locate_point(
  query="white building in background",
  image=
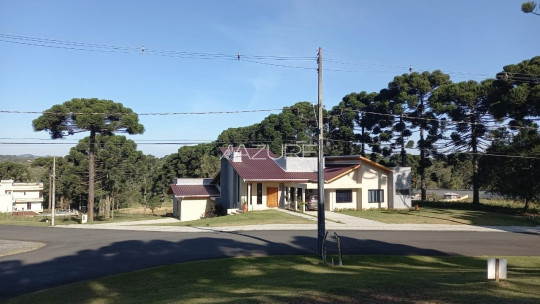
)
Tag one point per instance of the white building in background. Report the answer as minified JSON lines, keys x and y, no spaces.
{"x":20,"y":196}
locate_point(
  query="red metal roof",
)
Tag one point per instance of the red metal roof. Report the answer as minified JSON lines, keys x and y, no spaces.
{"x":259,"y":165}
{"x":193,"y":190}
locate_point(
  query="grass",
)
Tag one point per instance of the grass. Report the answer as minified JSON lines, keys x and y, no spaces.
{"x":264,"y":217}
{"x":302,"y":279}
{"x":122,"y":215}
{"x":489,"y":213}
{"x":38,"y":221}
{"x":41,"y":221}
{"x":494,"y":205}
{"x":426,"y":215}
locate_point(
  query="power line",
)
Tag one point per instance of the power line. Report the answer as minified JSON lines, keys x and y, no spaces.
{"x":257,"y":59}
{"x":146,"y":114}
{"x":81,"y":46}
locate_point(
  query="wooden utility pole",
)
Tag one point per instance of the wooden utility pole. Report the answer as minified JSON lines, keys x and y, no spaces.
{"x":53,"y":190}
{"x":321,"y":229}
{"x":50,"y":191}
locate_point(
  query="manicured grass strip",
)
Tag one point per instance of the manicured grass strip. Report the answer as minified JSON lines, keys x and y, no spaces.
{"x":494,"y":205}
{"x":428,"y":215}
{"x":302,"y":279}
{"x":263,"y":217}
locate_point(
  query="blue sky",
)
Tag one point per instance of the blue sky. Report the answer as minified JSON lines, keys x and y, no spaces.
{"x":365,"y":44}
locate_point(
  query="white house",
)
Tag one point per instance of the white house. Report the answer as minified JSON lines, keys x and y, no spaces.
{"x":20,"y":196}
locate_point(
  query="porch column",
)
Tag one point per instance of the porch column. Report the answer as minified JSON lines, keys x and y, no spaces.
{"x":294,"y":198}
{"x":249,"y":200}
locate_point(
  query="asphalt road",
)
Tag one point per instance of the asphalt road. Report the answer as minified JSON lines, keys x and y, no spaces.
{"x":72,"y":255}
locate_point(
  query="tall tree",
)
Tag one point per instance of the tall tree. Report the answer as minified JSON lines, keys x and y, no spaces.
{"x":510,"y":167}
{"x":118,"y":166}
{"x":467,"y":105}
{"x":356,"y":119}
{"x":67,"y":183}
{"x":401,"y":127}
{"x":15,"y":171}
{"x":93,"y":115}
{"x":516,"y":92}
{"x":293,"y":124}
{"x":348,"y":125}
{"x":413,"y":90}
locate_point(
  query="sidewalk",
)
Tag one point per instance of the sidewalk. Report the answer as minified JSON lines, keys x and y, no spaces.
{"x":334,"y":221}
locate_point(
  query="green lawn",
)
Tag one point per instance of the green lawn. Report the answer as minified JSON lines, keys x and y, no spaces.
{"x":430,"y":215}
{"x":7,"y":219}
{"x":263,"y":217}
{"x":302,"y":279}
{"x":40,"y":221}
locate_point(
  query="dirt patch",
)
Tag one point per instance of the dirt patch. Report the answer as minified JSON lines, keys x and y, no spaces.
{"x":140,"y":210}
{"x":9,"y":247}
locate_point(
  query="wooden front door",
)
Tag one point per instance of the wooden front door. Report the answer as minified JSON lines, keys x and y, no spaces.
{"x":272,"y":196}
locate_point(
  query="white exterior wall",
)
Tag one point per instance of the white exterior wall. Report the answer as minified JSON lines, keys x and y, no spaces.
{"x":193,"y":208}
{"x":374,"y":179}
{"x":6,"y":203}
{"x":23,"y":206}
{"x":298,"y":164}
{"x":15,"y":196}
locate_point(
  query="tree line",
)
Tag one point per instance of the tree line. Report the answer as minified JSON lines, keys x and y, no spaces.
{"x":466,"y":135}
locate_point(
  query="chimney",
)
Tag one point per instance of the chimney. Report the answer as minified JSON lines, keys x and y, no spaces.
{"x":237,"y":157}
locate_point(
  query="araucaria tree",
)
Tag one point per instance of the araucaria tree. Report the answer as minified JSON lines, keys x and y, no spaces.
{"x":414,"y":91}
{"x":93,"y":115}
{"x":515,"y":176}
{"x":467,"y":105}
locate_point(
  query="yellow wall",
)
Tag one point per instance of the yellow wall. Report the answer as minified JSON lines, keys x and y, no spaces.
{"x":359,"y":181}
{"x":193,"y":208}
{"x":373,"y":179}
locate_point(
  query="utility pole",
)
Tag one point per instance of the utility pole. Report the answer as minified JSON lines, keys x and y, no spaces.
{"x":50,"y":191}
{"x":53,"y":190}
{"x":321,"y":230}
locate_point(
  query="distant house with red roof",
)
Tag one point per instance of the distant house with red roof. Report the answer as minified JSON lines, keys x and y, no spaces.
{"x":262,"y":180}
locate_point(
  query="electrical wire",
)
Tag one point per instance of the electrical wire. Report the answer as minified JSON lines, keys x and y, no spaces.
{"x":257,"y":59}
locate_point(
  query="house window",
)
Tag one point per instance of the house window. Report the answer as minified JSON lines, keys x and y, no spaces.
{"x":259,"y":193}
{"x":375,"y":196}
{"x":28,"y":206}
{"x":343,"y":196}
